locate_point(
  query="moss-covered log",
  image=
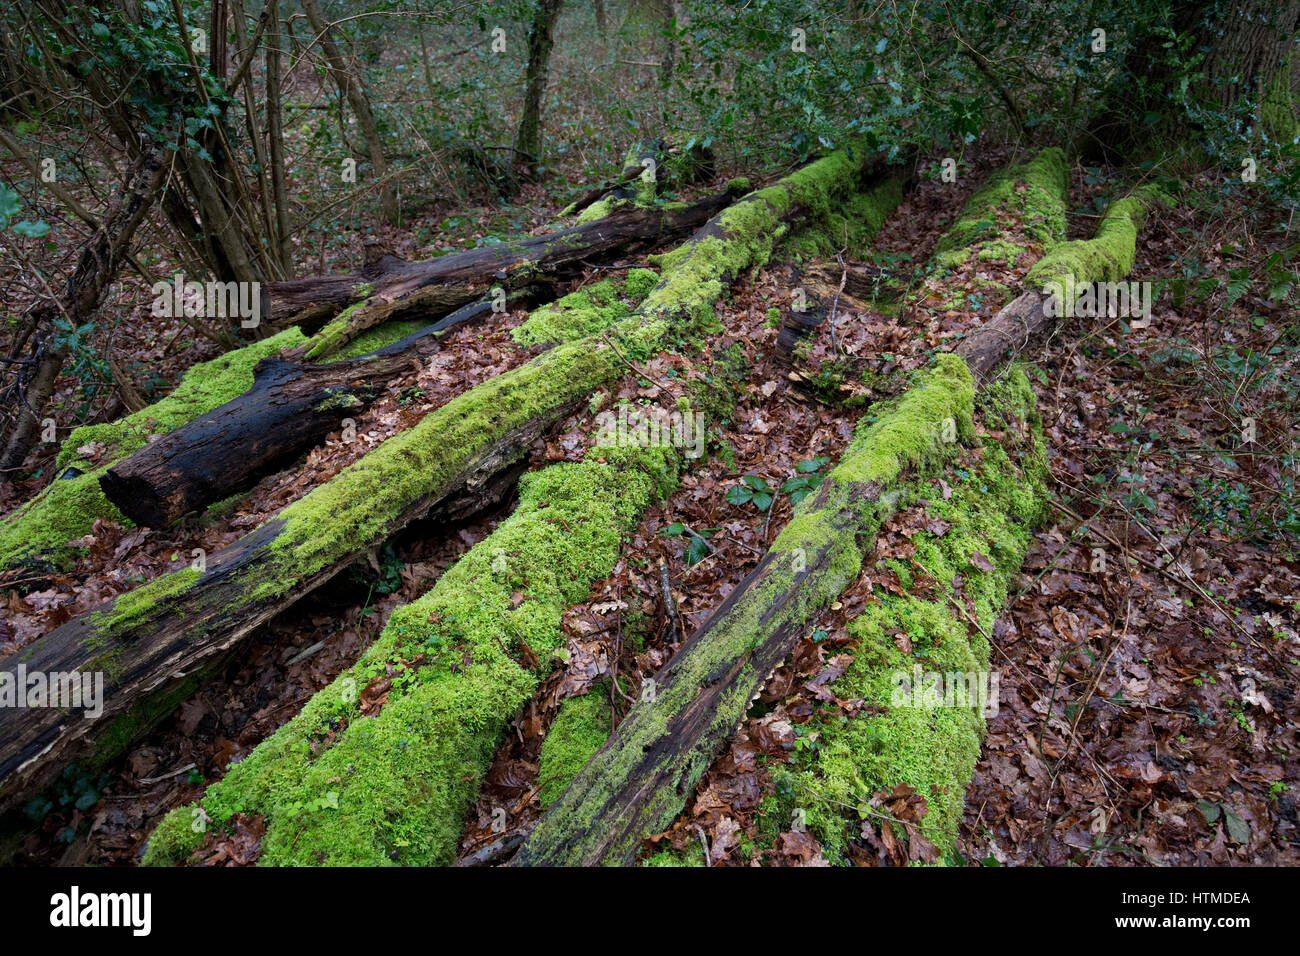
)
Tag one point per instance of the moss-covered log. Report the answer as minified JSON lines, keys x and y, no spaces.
{"x":637,"y":783}
{"x":290,"y":407}
{"x":451,"y":669}
{"x":388,"y":286}
{"x":1030,"y":198}
{"x":147,"y":640}
{"x":38,"y":531}
{"x":926,"y":698}
{"x":640,"y":780}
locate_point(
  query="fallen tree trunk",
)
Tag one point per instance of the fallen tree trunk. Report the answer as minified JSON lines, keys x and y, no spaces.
{"x":388,"y":286}
{"x":641,"y":779}
{"x":290,"y":407}
{"x":155,"y":641}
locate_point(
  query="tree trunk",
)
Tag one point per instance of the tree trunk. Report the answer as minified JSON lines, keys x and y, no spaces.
{"x":388,"y":286}
{"x":289,"y":409}
{"x":349,"y":83}
{"x":96,"y":270}
{"x":541,"y":38}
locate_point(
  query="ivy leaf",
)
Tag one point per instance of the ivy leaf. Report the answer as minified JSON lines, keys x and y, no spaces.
{"x":762,"y":500}
{"x":739,"y":495}
{"x":697,"y":551}
{"x":756,"y":482}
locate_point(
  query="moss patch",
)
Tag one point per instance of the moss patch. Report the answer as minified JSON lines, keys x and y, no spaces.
{"x":586,"y":311}
{"x":850,"y":226}
{"x":933,"y":749}
{"x":580,"y":729}
{"x":1029,"y":198}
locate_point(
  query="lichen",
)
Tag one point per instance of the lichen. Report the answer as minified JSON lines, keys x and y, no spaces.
{"x":579,"y":730}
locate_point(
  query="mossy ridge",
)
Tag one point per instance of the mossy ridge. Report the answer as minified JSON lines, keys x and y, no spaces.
{"x":908,"y":434}
{"x":744,"y":234}
{"x":580,"y":729}
{"x":852,"y":226}
{"x":1038,"y":210}
{"x":991,"y":514}
{"x":1107,"y":257}
{"x":586,"y":311}
{"x":404,"y":778}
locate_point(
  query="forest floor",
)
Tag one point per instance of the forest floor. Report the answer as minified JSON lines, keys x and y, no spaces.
{"x":1147,"y":715}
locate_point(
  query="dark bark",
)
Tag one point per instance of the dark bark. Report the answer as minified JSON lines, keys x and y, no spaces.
{"x":390,"y":286}
{"x":289,"y":409}
{"x":541,"y":38}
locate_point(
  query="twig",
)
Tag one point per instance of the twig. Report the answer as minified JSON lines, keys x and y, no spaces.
{"x":633,"y":367}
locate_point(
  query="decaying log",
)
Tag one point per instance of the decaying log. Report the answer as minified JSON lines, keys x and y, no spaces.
{"x":638,"y":782}
{"x":154,"y":643}
{"x":289,"y":409}
{"x":389,"y":286}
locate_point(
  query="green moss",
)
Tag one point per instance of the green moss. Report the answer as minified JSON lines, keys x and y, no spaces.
{"x":934,"y":750}
{"x":580,"y":729}
{"x":585,"y":311}
{"x":333,"y":334}
{"x":1028,"y":199}
{"x":371,"y":339}
{"x":1107,"y":257}
{"x":404,"y":778}
{"x":174,"y":839}
{"x":638,"y":283}
{"x":133,"y":606}
{"x":935,"y":412}
{"x":851,"y":226}
{"x":65,"y":510}
{"x":1278,"y":109}
{"x":600,"y":209}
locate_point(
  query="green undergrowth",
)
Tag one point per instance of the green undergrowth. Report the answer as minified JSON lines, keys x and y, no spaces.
{"x":337,"y":787}
{"x":587,"y":310}
{"x":1107,"y":257}
{"x":67,"y":508}
{"x":996,"y":501}
{"x":1028,"y":198}
{"x":580,"y":729}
